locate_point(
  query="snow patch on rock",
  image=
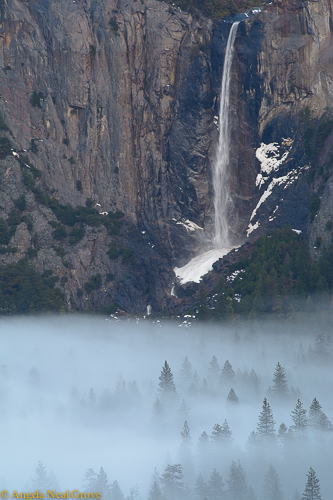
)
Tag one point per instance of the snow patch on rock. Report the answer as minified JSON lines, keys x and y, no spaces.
{"x":188,"y":224}
{"x":270,"y":157}
{"x":200,"y":265}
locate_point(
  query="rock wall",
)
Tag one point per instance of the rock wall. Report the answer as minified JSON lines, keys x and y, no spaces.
{"x":284,"y":68}
{"x":127,"y":109}
{"x":128,"y":98}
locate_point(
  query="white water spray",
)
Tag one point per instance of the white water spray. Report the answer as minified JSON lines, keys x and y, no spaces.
{"x":222,"y":199}
{"x":202,"y":264}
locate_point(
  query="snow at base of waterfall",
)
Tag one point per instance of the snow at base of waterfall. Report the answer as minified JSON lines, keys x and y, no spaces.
{"x":200,"y":265}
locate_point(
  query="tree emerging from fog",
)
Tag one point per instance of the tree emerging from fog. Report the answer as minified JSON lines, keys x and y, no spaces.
{"x":215,"y":486}
{"x":227,"y":374}
{"x":317,"y":418}
{"x":272,"y":488}
{"x":172,"y":480}
{"x":237,"y":488}
{"x":42,"y":480}
{"x":166,"y":384}
{"x":266,"y":423}
{"x":312,"y":487}
{"x":232,"y":398}
{"x":129,"y":416}
{"x":298,"y":415}
{"x":280,"y":384}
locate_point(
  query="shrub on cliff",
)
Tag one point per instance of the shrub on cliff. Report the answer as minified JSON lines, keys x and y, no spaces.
{"x":5,"y":147}
{"x":76,"y":235}
{"x":36,"y":98}
{"x":94,"y":283}
{"x":114,"y":24}
{"x":3,"y":126}
{"x":23,"y":290}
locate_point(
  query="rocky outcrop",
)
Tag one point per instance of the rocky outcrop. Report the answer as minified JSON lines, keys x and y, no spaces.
{"x":283,"y":71}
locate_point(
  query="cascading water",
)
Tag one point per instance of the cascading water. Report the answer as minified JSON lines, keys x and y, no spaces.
{"x":202,"y":264}
{"x":222,"y":199}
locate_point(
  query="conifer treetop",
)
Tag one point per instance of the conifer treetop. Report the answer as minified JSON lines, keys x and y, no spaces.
{"x":266,"y":423}
{"x":166,"y":383}
{"x":280,"y":384}
{"x":312,"y":487}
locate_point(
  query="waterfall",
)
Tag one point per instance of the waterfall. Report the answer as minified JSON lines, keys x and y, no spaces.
{"x":202,"y":264}
{"x":222,"y":199}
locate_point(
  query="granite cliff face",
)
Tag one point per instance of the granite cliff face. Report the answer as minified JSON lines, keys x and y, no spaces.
{"x":283,"y":71}
{"x":116,"y":102}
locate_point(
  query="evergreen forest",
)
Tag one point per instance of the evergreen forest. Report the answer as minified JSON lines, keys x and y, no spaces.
{"x":152,"y":410}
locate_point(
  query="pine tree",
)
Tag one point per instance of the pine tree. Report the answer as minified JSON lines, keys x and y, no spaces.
{"x":280,"y":384}
{"x":185,"y":454}
{"x":314,"y":414}
{"x":226,"y":432}
{"x":158,"y":411}
{"x":155,"y":492}
{"x":186,"y":372}
{"x":217,"y":434}
{"x":173,"y":485}
{"x":92,"y":397}
{"x":53,"y":481}
{"x":200,"y":488}
{"x":215,"y":486}
{"x":183,"y":411}
{"x":237,"y":488}
{"x":166,"y":384}
{"x":227,"y":374}
{"x":89,"y":480}
{"x":265,"y":426}
{"x":134,"y":392}
{"x":213,"y":369}
{"x":41,"y":480}
{"x":185,"y":434}
{"x":232,"y":399}
{"x":251,"y":495}
{"x":102,"y":485}
{"x":283,"y":431}
{"x":204,"y":388}
{"x":299,"y":418}
{"x":121,"y":391}
{"x":317,"y":418}
{"x":134,"y":494}
{"x":115,"y":492}
{"x":321,"y":352}
{"x":296,"y":495}
{"x":253,"y":439}
{"x":312,"y":487}
{"x":254,"y":381}
{"x":324,"y":423}
{"x":272,"y":487}
{"x":203,"y":450}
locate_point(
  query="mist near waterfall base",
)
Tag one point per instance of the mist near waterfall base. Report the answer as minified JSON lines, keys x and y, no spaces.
{"x":49,"y":413}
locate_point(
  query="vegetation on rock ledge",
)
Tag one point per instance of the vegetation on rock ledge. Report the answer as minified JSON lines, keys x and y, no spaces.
{"x":279,"y":277}
{"x":23,"y":290}
{"x":216,"y":9}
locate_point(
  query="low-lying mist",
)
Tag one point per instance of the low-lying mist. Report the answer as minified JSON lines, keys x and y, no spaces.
{"x":190,"y":413}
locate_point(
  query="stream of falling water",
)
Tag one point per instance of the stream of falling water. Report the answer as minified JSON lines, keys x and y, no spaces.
{"x":222,"y":199}
{"x":202,"y":264}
